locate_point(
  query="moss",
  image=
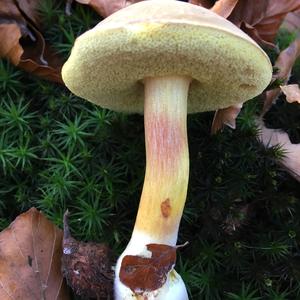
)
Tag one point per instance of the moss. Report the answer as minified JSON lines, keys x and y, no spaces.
{"x":58,"y":151}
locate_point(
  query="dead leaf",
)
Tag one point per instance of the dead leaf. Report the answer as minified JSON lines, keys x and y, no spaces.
{"x":273,"y":137}
{"x":142,"y":274}
{"x":11,"y":48}
{"x":262,"y":19}
{"x":103,"y":7}
{"x":30,"y":259}
{"x":284,"y":64}
{"x":221,"y":7}
{"x":204,"y":3}
{"x":292,"y":92}
{"x":259,"y":19}
{"x":23,"y":44}
{"x":226,"y":116}
{"x":87,"y":267}
{"x":29,"y":8}
{"x":292,"y":21}
{"x":224,"y":7}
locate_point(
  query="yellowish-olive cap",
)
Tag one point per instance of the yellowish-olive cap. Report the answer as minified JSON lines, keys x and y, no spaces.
{"x":159,"y":38}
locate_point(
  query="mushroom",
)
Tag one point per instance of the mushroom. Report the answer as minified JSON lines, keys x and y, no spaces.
{"x":164,"y":59}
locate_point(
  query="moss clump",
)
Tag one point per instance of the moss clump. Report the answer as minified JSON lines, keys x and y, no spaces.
{"x":58,"y":151}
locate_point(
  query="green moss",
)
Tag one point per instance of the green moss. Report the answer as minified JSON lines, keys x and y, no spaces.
{"x":242,"y":213}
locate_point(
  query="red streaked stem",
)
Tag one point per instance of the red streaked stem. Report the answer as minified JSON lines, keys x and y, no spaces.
{"x":167,"y":168}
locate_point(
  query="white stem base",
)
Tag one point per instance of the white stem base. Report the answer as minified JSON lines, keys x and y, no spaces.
{"x":173,"y":289}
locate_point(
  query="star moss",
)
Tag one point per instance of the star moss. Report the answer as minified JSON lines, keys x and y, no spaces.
{"x":242,"y":213}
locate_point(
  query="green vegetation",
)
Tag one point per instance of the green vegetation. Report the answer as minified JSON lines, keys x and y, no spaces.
{"x":242,"y":216}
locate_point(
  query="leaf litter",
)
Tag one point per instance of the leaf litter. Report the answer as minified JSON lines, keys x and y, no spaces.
{"x":30,"y":259}
{"x":22,"y":42}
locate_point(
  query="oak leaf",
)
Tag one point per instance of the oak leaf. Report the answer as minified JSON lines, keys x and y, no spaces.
{"x":23,"y":44}
{"x":30,"y":259}
{"x":272,"y":137}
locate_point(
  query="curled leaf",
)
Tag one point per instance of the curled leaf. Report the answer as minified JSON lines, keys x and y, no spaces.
{"x":226,"y":116}
{"x":284,"y":64}
{"x":292,"y":92}
{"x":11,"y":34}
{"x":30,"y":259}
{"x":23,"y":44}
{"x":87,"y":267}
{"x":272,"y":137}
{"x":262,"y":19}
{"x":29,"y":8}
{"x":259,"y":19}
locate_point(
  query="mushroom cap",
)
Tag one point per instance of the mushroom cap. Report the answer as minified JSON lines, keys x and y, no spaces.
{"x":155,"y":38}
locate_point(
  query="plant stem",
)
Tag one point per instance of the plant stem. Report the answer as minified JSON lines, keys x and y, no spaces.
{"x":167,"y":168}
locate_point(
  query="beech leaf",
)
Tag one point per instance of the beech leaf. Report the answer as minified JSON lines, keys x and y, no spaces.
{"x":226,"y":116}
{"x":292,"y":92}
{"x":23,"y":44}
{"x":30,"y":259}
{"x":284,"y":63}
{"x":141,"y":273}
{"x":272,"y":137}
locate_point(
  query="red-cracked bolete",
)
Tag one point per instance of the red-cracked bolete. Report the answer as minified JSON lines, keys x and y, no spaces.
{"x":164,"y":59}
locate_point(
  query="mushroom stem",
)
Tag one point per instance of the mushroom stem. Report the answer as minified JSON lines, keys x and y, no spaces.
{"x":166,"y":180}
{"x":167,"y":167}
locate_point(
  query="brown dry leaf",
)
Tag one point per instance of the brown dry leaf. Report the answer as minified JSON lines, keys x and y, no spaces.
{"x":273,"y":137}
{"x":29,"y":8}
{"x":224,"y":7}
{"x":22,"y":43}
{"x":11,"y":48}
{"x":226,"y":116}
{"x":292,"y":92}
{"x":103,"y":7}
{"x":30,"y":259}
{"x":148,"y":274}
{"x":292,"y":21}
{"x":284,"y":63}
{"x":87,"y":267}
{"x":204,"y":3}
{"x":221,"y":7}
{"x":259,"y":19}
{"x":262,"y":19}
